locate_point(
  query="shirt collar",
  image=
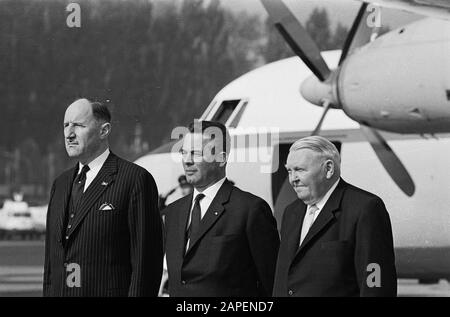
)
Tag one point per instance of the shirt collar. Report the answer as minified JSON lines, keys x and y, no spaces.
{"x":321,"y":203}
{"x":97,"y":163}
{"x":211,"y":191}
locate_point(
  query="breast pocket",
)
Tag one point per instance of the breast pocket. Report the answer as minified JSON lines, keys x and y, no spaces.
{"x":108,"y":224}
{"x":106,"y":213}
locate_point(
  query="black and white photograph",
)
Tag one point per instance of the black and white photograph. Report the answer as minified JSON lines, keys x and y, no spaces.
{"x":224,"y":149}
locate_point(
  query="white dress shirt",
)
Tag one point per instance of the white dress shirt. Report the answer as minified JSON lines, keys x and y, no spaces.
{"x":206,"y":201}
{"x":94,"y":168}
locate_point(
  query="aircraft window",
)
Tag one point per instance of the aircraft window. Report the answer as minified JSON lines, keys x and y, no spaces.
{"x":338,"y":145}
{"x":225,"y":110}
{"x":208,"y":110}
{"x":238,"y":115}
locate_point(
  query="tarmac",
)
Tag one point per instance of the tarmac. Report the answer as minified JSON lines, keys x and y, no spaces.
{"x":21,"y":272}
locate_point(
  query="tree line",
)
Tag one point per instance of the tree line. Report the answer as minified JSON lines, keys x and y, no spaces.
{"x":157,"y":65}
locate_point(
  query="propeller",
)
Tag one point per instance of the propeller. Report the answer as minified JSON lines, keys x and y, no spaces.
{"x":390,"y":161}
{"x":326,"y":107}
{"x":358,"y":35}
{"x":321,"y":89}
{"x":293,"y":33}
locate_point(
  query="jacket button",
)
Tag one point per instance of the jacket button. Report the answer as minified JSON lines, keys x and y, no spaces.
{"x":290,"y":292}
{"x":183,"y":282}
{"x":67,"y":237}
{"x":69,"y":226}
{"x":72,"y":215}
{"x":65,"y":264}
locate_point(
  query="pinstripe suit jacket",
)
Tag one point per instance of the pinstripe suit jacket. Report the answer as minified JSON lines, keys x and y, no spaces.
{"x":119,"y":251}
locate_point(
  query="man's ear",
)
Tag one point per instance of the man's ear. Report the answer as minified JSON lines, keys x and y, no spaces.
{"x":105,"y":130}
{"x":329,"y":168}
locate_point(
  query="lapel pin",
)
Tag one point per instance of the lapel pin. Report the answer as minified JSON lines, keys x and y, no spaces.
{"x":104,"y":184}
{"x":216,"y":213}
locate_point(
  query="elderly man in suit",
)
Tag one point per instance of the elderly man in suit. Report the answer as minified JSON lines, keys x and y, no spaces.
{"x":336,"y":239}
{"x":221,"y":241}
{"x":104,"y":232}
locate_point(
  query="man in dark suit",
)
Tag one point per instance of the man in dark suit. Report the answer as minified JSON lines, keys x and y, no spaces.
{"x":104,"y":235}
{"x":220,"y":240}
{"x":336,"y":239}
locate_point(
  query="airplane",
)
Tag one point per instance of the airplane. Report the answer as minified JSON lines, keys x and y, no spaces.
{"x":436,"y":8}
{"x":393,"y":91}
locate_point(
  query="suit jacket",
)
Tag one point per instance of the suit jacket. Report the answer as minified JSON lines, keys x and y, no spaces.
{"x":352,"y":230}
{"x":119,"y":251}
{"x":233,"y":253}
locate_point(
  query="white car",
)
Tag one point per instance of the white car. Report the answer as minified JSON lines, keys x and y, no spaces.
{"x":16,"y":218}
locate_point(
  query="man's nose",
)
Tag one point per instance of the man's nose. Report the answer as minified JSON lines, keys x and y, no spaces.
{"x":293,"y":178}
{"x":70,"y":134}
{"x":188,"y":160}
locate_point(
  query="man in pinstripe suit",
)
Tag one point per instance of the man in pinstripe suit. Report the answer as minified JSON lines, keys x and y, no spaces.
{"x":104,"y":235}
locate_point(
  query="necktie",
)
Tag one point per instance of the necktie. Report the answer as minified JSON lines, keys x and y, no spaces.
{"x":196,"y":217}
{"x":78,"y":186}
{"x":77,"y":192}
{"x":308,"y":221}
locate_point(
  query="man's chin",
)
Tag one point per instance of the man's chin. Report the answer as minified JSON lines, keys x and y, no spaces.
{"x":72,"y":154}
{"x":303,"y":197}
{"x":191,"y":180}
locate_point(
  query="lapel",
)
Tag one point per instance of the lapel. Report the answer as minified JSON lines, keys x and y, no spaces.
{"x":68,"y":183}
{"x":294,"y":227}
{"x":101,"y":182}
{"x":213,"y":213}
{"x":183,"y":216}
{"x":325,"y":216}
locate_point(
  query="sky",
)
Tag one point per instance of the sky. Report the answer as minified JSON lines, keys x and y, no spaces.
{"x":343,"y":11}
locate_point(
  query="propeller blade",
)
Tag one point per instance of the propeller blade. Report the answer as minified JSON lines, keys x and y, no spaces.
{"x":297,"y":37}
{"x":390,"y":161}
{"x":359,"y":33}
{"x":326,"y":107}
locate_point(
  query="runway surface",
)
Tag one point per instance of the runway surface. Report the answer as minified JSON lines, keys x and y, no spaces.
{"x":21,"y":269}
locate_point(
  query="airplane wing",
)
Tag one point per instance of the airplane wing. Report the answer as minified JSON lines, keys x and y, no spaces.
{"x":436,"y":8}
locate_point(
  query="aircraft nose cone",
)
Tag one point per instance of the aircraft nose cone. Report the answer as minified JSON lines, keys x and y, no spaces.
{"x":316,"y":92}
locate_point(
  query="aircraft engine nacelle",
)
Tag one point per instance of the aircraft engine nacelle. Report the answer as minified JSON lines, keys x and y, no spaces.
{"x":400,"y":78}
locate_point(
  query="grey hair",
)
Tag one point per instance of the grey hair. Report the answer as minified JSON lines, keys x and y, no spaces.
{"x":320,"y":145}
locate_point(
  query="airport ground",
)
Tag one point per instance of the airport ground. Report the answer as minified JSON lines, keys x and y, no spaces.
{"x":21,"y":267}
